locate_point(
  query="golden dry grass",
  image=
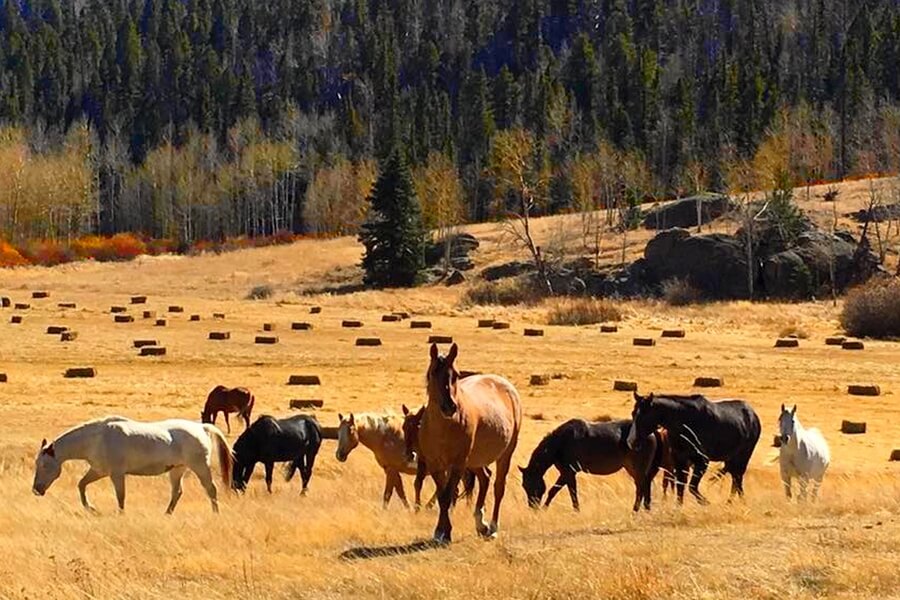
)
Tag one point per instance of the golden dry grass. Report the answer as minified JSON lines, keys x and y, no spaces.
{"x":285,"y":546}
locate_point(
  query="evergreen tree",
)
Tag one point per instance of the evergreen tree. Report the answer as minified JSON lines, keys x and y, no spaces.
{"x":393,"y":234}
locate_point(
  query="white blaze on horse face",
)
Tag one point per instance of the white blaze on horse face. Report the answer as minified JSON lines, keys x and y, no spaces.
{"x":46,"y":470}
{"x":786,"y":425}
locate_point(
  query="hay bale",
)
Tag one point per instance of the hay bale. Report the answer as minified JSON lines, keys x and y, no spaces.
{"x":390,"y":318}
{"x":330,"y":433}
{"x":440,"y":339}
{"x":123,"y":319}
{"x":39,"y":295}
{"x":160,"y":323}
{"x":534,"y":333}
{"x":219,"y":316}
{"x":895,"y":455}
{"x":420,"y":324}
{"x":220,"y":335}
{"x":620,"y":385}
{"x":117,"y":309}
{"x":301,"y":404}
{"x":268,"y":326}
{"x":643,"y":342}
{"x":139,"y":299}
{"x":314,"y":310}
{"x":485,"y":323}
{"x":144,"y":343}
{"x":194,"y":318}
{"x":5,"y":302}
{"x":787,"y":343}
{"x":539,"y":379}
{"x":22,"y":306}
{"x":66,"y":305}
{"x":374,"y":341}
{"x":463,"y":374}
{"x":304,"y":380}
{"x":351,"y":324}
{"x":609,"y":328}
{"x":68,"y":336}
{"x":149,"y":314}
{"x":709,"y":382}
{"x":776,"y":441}
{"x":267,"y":339}
{"x":301,"y":326}
{"x":835,"y":340}
{"x":3,"y":378}
{"x":853,"y":345}
{"x":499,"y":325}
{"x":863,"y":390}
{"x":15,"y":319}
{"x":402,"y":314}
{"x":673,"y":333}
{"x":853,"y":427}
{"x":153,"y":351}
{"x":176,"y":309}
{"x":56,"y":329}
{"x":80,"y":372}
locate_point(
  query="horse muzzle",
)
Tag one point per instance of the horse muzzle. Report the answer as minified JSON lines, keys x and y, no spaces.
{"x":340,"y":457}
{"x":38,"y":492}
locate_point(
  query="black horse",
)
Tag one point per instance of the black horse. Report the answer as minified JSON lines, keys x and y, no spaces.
{"x":269,"y":440}
{"x":700,"y":431}
{"x":595,"y":448}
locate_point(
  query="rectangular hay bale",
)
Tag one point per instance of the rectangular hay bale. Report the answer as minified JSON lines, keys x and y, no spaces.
{"x":420,"y":324}
{"x":440,"y":339}
{"x":220,"y":335}
{"x":301,"y":404}
{"x":143,"y":343}
{"x":643,"y":342}
{"x":267,"y":339}
{"x":139,"y":299}
{"x":304,"y":380}
{"x":56,"y":329}
{"x":863,"y":390}
{"x":80,"y":372}
{"x":301,"y":326}
{"x":534,"y":333}
{"x":351,"y":324}
{"x":620,"y":385}
{"x":123,"y":319}
{"x":853,"y":427}
{"x":68,"y":336}
{"x":673,"y":333}
{"x":153,"y":351}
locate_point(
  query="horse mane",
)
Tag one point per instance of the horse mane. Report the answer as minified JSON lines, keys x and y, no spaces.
{"x":542,"y":456}
{"x":385,"y":422}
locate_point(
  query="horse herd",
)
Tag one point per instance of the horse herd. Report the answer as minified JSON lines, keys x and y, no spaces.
{"x":468,"y":425}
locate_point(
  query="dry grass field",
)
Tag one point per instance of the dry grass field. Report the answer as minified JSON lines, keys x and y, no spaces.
{"x":287,"y":546}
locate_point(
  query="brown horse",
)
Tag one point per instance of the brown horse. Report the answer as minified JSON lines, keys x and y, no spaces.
{"x":666,"y":460}
{"x":468,"y":424}
{"x":228,"y":400}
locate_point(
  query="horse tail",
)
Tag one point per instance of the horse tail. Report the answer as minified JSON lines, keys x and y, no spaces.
{"x":468,"y":484}
{"x":226,"y":457}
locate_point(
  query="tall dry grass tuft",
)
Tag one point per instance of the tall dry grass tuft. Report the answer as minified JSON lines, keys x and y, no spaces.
{"x":873,"y":309}
{"x":680,"y":292}
{"x":506,"y":292}
{"x":583,"y":311}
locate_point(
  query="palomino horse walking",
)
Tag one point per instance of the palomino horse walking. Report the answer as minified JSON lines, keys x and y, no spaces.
{"x":700,"y":431}
{"x":595,"y":448}
{"x":383,"y":435}
{"x":228,"y":400}
{"x":468,"y":424}
{"x":115,"y":447}
{"x":804,"y":453}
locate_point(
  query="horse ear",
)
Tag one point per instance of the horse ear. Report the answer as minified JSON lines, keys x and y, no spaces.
{"x":352,"y":420}
{"x":50,"y":451}
{"x":405,"y":411}
{"x":340,"y":417}
{"x":43,"y":443}
{"x":794,"y":410}
{"x":434,"y":352}
{"x":451,"y":356}
{"x":782,"y":407}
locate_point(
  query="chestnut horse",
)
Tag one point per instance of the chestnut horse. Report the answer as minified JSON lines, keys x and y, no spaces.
{"x":468,"y":424}
{"x":228,"y":400}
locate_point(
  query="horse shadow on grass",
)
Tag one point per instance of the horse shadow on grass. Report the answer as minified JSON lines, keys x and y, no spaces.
{"x":369,"y":552}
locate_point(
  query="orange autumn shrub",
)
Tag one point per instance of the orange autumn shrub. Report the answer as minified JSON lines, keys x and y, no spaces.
{"x":9,"y":256}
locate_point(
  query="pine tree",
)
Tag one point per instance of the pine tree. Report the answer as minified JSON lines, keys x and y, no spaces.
{"x":393,"y":234}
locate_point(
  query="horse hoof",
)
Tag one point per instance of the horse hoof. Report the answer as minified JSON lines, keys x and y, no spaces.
{"x":441,"y":539}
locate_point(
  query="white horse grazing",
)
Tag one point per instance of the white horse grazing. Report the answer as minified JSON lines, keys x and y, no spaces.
{"x":804,"y":453}
{"x":115,"y":447}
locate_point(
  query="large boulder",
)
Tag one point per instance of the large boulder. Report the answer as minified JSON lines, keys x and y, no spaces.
{"x":459,"y":247}
{"x":785,"y":275}
{"x":683,"y":212}
{"x":716,"y":264}
{"x":505,"y":270}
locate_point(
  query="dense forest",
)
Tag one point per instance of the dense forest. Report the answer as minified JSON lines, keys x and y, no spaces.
{"x":204,"y":119}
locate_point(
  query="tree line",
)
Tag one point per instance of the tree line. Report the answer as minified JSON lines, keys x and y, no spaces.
{"x":204,"y":119}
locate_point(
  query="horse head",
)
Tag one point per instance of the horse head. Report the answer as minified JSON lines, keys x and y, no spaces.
{"x":47,"y":468}
{"x":643,"y":420}
{"x":787,"y":423}
{"x":411,"y":422}
{"x":534,"y":486}
{"x":442,"y":380}
{"x":348,"y":437}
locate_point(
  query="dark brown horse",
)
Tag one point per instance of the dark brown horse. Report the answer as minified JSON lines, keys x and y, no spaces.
{"x":595,"y":448}
{"x":467,"y":425}
{"x":228,"y":400}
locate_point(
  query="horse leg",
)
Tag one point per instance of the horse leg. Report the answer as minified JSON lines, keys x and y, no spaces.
{"x":417,"y":484}
{"x":398,"y":486}
{"x":118,"y":480}
{"x":483,"y":480}
{"x":500,"y":488}
{"x":176,"y":476}
{"x":307,"y":470}
{"x":206,"y":480}
{"x":802,"y":482}
{"x":699,"y":470}
{"x":444,"y":529}
{"x":388,"y":488}
{"x":90,"y":477}
{"x":681,"y":476}
{"x":561,"y":482}
{"x":270,"y":466}
{"x":573,"y":490}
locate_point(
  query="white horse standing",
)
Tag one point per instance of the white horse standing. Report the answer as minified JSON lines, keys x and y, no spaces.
{"x":115,"y":447}
{"x":804,"y":453}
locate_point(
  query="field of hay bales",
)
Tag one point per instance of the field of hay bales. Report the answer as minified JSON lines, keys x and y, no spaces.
{"x":287,"y":546}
